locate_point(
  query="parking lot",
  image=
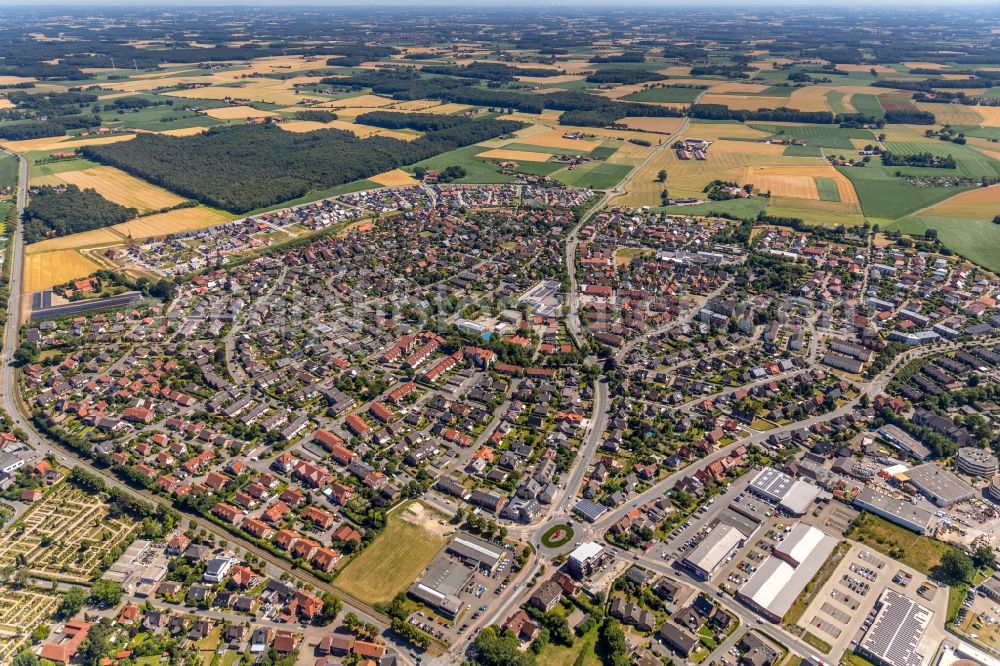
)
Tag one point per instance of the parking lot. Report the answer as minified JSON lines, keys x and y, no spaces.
{"x":843,"y":609}
{"x":476,"y":596}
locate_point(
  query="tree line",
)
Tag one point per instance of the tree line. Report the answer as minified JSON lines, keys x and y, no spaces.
{"x":57,"y":211}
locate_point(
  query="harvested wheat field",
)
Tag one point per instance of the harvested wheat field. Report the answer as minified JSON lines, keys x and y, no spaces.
{"x":6,"y":103}
{"x":92,"y":238}
{"x":238,"y":112}
{"x":825,"y":213}
{"x":736,"y":88}
{"x":62,"y":142}
{"x":916,"y":64}
{"x":183,"y":131}
{"x":303,"y":125}
{"x":171,"y":222}
{"x":659,"y":125}
{"x":990,"y":114}
{"x":395,"y":178}
{"x":953,"y":114}
{"x":748,"y":147}
{"x":516,"y":155}
{"x":799,"y":181}
{"x":447,"y":109}
{"x":116,"y":186}
{"x":548,"y":80}
{"x":359,"y":102}
{"x":630,"y":153}
{"x":14,"y":80}
{"x":811,"y":98}
{"x":978,"y":204}
{"x":744,"y":102}
{"x":398,"y":134}
{"x":47,"y":269}
{"x":415,"y":105}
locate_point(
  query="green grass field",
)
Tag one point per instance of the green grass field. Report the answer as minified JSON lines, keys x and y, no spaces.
{"x":971,"y":162}
{"x":978,"y":240}
{"x":61,"y":166}
{"x":8,"y":171}
{"x":477,"y":170}
{"x":392,"y":562}
{"x":777,"y":91}
{"x":827,"y":189}
{"x":836,"y":101}
{"x":803,"y":151}
{"x":825,"y":136}
{"x":595,"y":175}
{"x":668,"y":94}
{"x":868,"y":105}
{"x":992,"y":93}
{"x":885,"y":197}
{"x":745,"y":208}
{"x":920,"y":552}
{"x":531,"y":148}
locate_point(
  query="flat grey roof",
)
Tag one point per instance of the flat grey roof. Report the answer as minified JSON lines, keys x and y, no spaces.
{"x":942,"y":484}
{"x":477,"y":550}
{"x":901,"y":511}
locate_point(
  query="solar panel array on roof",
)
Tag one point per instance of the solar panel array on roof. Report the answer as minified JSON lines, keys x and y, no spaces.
{"x":896,"y":632}
{"x":772,"y":484}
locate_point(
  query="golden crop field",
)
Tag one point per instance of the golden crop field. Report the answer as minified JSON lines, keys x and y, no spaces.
{"x":63,"y":142}
{"x":5,"y":103}
{"x":990,"y":114}
{"x":737,"y":88}
{"x":361,"y":101}
{"x":92,"y":238}
{"x":416,"y":105}
{"x":237,"y":113}
{"x":395,"y":178}
{"x":46,"y":269}
{"x":517,"y":155}
{"x":116,"y":186}
{"x":744,"y":102}
{"x":554,"y":139}
{"x":799,"y":181}
{"x":748,"y":147}
{"x":183,"y":131}
{"x":658,"y":125}
{"x":630,"y":153}
{"x":171,"y":222}
{"x":953,"y":114}
{"x":979,"y":204}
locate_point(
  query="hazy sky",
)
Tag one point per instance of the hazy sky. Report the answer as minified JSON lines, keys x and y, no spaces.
{"x":570,"y":4}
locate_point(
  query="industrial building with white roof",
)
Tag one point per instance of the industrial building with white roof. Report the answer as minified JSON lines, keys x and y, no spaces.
{"x":775,"y":586}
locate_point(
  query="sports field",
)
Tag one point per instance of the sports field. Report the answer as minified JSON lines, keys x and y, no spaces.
{"x":117,"y":186}
{"x":394,"y":560}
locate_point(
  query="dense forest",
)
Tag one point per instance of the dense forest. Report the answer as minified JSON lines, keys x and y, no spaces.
{"x":626,"y":76}
{"x":62,"y":211}
{"x":490,"y":71}
{"x":422,"y":122}
{"x":217,"y":167}
{"x":627,"y":56}
{"x":919,"y":160}
{"x":784,"y":114}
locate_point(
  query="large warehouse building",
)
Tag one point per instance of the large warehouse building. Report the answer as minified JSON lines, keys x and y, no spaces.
{"x":939,"y":485}
{"x":791,"y":495}
{"x":895,"y":511}
{"x":775,"y":586}
{"x":712,"y":552}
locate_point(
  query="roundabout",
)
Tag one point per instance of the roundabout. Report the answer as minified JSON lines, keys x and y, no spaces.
{"x":557,"y":535}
